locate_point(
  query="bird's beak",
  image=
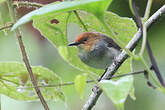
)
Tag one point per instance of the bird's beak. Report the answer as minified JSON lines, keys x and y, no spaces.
{"x":74,"y":44}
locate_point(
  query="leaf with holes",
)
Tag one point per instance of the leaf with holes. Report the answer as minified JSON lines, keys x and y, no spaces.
{"x":15,"y":82}
{"x":56,"y":32}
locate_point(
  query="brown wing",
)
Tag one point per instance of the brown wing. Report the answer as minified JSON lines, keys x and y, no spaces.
{"x":111,"y":42}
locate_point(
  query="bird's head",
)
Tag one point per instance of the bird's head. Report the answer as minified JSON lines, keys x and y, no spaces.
{"x":86,"y":40}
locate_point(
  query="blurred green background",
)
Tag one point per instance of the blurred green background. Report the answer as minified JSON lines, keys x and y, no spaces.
{"x":41,"y":52}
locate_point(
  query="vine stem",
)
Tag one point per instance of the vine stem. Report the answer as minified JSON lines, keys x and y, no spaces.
{"x":143,"y":28}
{"x":144,"y":40}
{"x":149,"y":71}
{"x":121,"y":58}
{"x":146,"y":16}
{"x":147,"y":11}
{"x":24,"y":55}
{"x":131,"y":8}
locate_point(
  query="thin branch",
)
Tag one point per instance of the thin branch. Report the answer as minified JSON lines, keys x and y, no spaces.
{"x":88,"y":81}
{"x":6,"y":26}
{"x":27,"y":4}
{"x":121,"y":58}
{"x":24,"y":55}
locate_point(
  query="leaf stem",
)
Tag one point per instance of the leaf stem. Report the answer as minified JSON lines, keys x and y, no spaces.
{"x":78,"y":17}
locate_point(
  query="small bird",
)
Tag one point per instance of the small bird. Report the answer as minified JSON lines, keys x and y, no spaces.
{"x":96,"y":49}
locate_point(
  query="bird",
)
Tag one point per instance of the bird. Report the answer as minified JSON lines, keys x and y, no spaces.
{"x":96,"y":50}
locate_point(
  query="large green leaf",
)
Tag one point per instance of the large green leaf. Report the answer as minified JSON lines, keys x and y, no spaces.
{"x":57,"y":32}
{"x":96,"y":7}
{"x":14,"y":82}
{"x":117,"y":90}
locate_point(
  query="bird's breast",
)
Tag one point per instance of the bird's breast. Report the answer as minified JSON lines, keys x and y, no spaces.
{"x":99,"y":58}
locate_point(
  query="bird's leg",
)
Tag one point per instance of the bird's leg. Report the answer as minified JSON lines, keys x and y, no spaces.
{"x":148,"y":82}
{"x":102,"y":74}
{"x":115,"y":62}
{"x":96,"y":86}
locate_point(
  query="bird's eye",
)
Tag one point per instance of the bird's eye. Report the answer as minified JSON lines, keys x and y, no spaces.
{"x":85,"y":39}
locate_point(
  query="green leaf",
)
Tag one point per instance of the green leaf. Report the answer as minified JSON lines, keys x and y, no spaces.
{"x":57,"y":34}
{"x":80,"y":84}
{"x":97,"y":7}
{"x":15,"y":82}
{"x":117,"y":90}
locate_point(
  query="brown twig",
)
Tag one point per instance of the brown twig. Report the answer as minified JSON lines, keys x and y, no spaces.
{"x":27,"y":4}
{"x":25,"y":58}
